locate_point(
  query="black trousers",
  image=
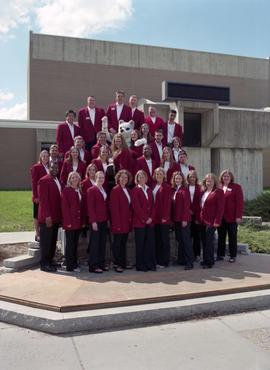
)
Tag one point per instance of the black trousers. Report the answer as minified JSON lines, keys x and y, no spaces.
{"x":162,"y":237}
{"x":48,"y":239}
{"x":229,"y":228}
{"x":185,"y":252}
{"x":145,"y":248}
{"x":97,"y":246}
{"x":72,"y":238}
{"x":195,"y":230}
{"x":119,"y":249}
{"x":207,"y":235}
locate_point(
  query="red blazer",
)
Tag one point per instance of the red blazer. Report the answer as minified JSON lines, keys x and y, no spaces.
{"x":73,"y":211}
{"x":154,"y":126}
{"x":126,"y":115}
{"x":163,"y":204}
{"x":37,"y":171}
{"x":143,"y":208}
{"x":124,"y":161}
{"x":86,"y":184}
{"x":138,"y":118}
{"x":64,"y":139}
{"x":120,"y":210}
{"x":95,"y":150}
{"x":155,"y":153}
{"x":234,"y":203}
{"x":87,"y":156}
{"x":49,"y":200}
{"x":89,"y":129}
{"x":67,"y":168}
{"x":175,"y":167}
{"x":136,"y":151}
{"x":181,"y":205}
{"x":97,"y":162}
{"x":97,"y":207}
{"x":178,"y":131}
{"x":195,"y":205}
{"x":213,"y":209}
{"x":142,"y":165}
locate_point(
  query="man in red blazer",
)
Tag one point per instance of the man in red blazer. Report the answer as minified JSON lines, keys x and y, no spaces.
{"x":153,"y":121}
{"x":137,"y":115}
{"x":172,"y":129}
{"x":89,"y":120}
{"x":118,"y":111}
{"x":49,"y":216}
{"x":66,"y":132}
{"x":157,"y":147}
{"x":146,"y":163}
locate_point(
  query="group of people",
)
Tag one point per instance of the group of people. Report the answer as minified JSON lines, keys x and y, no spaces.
{"x":84,"y":181}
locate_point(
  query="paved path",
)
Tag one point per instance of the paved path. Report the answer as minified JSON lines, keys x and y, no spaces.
{"x":232,"y":342}
{"x":17,"y":237}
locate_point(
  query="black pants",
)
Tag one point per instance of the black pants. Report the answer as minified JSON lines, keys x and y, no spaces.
{"x":145,"y":248}
{"x":195,"y":230}
{"x":72,"y":238}
{"x":48,"y":239}
{"x":231,"y":229}
{"x":207,"y":235}
{"x":97,"y":246}
{"x":162,"y":237}
{"x":185,"y":252}
{"x":119,"y":249}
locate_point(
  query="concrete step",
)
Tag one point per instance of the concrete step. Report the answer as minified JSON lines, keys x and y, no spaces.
{"x":34,"y":252}
{"x":33,"y":245}
{"x":23,"y":261}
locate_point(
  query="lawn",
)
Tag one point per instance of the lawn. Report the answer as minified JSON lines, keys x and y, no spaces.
{"x":16,"y":211}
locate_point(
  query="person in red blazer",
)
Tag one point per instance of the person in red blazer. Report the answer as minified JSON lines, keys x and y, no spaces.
{"x":89,"y":120}
{"x":72,"y":163}
{"x":184,"y":166}
{"x":66,"y":132}
{"x":90,"y":180}
{"x":118,"y":111}
{"x":233,"y":212}
{"x":102,"y":163}
{"x":153,"y":121}
{"x":172,"y":129}
{"x":181,"y":218}
{"x":122,"y":157}
{"x":168,"y":164}
{"x":97,"y":209}
{"x":195,"y":207}
{"x":49,"y":216}
{"x":37,"y":171}
{"x":162,"y":193}
{"x":55,"y":157}
{"x":121,"y":218}
{"x":176,"y":148}
{"x":146,"y":163}
{"x":136,"y":151}
{"x":137,"y":115}
{"x":101,"y":141}
{"x":143,"y":214}
{"x":157,"y":146}
{"x":85,"y":155}
{"x":212,"y":209}
{"x":73,"y":219}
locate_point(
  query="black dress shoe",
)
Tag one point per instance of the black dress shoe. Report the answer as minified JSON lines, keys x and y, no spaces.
{"x":48,"y":268}
{"x":188,"y":267}
{"x":219,"y":258}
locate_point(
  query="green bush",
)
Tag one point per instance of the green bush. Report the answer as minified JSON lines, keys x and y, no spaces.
{"x":257,"y":237}
{"x":259,"y":206}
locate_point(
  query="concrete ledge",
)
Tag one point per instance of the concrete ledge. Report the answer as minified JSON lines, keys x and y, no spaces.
{"x":254,"y":220}
{"x":132,"y":316}
{"x":23,"y":261}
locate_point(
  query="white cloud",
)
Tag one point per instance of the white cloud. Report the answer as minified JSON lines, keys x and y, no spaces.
{"x":82,"y":17}
{"x":5,"y":96}
{"x":18,"y":111}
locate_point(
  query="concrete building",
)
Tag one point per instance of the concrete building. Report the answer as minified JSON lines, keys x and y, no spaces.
{"x":63,"y":71}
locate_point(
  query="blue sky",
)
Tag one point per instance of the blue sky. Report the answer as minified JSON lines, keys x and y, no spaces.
{"x":240,"y":27}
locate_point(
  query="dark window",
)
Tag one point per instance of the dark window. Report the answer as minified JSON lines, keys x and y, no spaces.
{"x":46,"y":146}
{"x":192,"y":132}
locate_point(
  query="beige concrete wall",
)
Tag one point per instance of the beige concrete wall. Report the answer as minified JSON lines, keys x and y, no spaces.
{"x":266,"y":167}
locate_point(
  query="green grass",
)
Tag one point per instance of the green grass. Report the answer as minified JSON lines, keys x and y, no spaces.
{"x":16,"y":211}
{"x":259,"y":206}
{"x":257,"y":237}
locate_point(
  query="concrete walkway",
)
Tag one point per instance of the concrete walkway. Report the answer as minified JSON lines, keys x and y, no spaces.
{"x":17,"y":237}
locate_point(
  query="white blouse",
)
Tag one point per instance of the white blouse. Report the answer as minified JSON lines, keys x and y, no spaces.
{"x":191,"y":192}
{"x":127,"y":194}
{"x":155,"y":190}
{"x":204,"y":197}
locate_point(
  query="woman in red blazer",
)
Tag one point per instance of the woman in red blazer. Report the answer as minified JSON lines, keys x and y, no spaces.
{"x":72,"y":163}
{"x":168,"y":163}
{"x":212,"y":209}
{"x":122,"y":157}
{"x":37,"y":171}
{"x":121,"y":218}
{"x":195,"y":208}
{"x":176,"y":148}
{"x":102,"y":163}
{"x":181,"y":218}
{"x":73,"y":218}
{"x":143,"y":214}
{"x":136,"y":151}
{"x":233,"y":212}
{"x":162,"y":193}
{"x":97,"y":208}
